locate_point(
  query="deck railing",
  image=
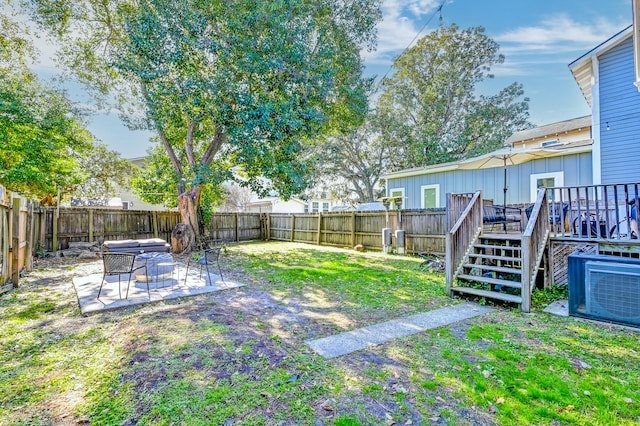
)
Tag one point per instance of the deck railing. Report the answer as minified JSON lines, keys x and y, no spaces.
{"x":596,"y":212}
{"x":464,"y":224}
{"x":533,"y":243}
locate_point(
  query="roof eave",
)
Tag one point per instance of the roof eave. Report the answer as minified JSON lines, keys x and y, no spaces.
{"x":581,"y":68}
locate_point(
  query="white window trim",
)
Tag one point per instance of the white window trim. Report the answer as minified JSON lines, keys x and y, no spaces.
{"x":558,"y":178}
{"x":401,"y":190}
{"x":434,"y":186}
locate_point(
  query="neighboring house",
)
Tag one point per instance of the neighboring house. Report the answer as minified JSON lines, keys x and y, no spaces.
{"x":294,"y":205}
{"x":322,"y":205}
{"x":608,"y":78}
{"x":556,"y":154}
{"x":275,"y":205}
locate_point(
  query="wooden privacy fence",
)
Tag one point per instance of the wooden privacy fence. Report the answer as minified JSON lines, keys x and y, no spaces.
{"x":425,"y":230}
{"x":21,"y":229}
{"x":66,"y":225}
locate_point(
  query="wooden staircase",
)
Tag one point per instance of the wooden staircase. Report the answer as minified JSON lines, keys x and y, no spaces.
{"x":494,"y":266}
{"x":493,"y":269}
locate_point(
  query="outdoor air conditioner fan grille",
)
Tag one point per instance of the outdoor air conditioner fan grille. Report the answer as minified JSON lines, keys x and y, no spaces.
{"x":613,"y":291}
{"x":617,"y":294}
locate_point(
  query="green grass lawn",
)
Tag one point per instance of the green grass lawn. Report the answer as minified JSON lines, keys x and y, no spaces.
{"x":238,"y":356}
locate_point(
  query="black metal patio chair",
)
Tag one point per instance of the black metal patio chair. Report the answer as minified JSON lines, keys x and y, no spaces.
{"x":119,"y":264}
{"x":207,"y":257}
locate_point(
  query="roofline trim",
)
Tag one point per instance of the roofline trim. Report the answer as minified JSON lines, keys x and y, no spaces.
{"x":604,"y":46}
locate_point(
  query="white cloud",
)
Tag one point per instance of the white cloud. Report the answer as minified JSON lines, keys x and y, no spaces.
{"x":558,"y":33}
{"x":555,"y":40}
{"x":402,"y":19}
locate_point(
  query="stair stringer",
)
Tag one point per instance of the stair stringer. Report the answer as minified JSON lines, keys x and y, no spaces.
{"x":538,"y":261}
{"x":465,"y":258}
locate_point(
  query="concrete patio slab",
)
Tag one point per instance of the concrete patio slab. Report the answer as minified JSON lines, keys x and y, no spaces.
{"x":351,"y":341}
{"x":170,"y":288}
{"x":559,"y":307}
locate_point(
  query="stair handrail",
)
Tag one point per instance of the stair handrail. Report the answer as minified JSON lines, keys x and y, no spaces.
{"x":462,"y":234}
{"x":534,"y":239}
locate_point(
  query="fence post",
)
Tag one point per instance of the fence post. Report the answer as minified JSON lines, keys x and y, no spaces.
{"x":5,"y":242}
{"x":43,"y":228}
{"x":236,"y":227}
{"x":293,"y":226}
{"x":54,"y":237}
{"x":28,"y":252}
{"x":90,"y":225}
{"x":154,"y":218}
{"x":15,"y":242}
{"x":353,"y":229}
{"x":319,"y":236}
{"x":450,"y":212}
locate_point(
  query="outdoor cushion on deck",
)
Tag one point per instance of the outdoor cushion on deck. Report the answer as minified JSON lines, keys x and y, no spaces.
{"x":137,"y":246}
{"x":151,"y":242}
{"x":121,"y":244}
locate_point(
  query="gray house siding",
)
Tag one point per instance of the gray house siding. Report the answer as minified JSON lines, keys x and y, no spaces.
{"x":619,"y":111}
{"x":576,"y":168}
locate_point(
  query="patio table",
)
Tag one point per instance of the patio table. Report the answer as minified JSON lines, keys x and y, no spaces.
{"x":159,"y":266}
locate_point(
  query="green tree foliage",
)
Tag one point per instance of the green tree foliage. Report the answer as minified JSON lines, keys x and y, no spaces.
{"x":353,"y":163}
{"x":38,"y":140}
{"x":224,"y":84}
{"x":103,"y":172}
{"x":430,"y":110}
{"x":44,"y":146}
{"x":38,"y":134}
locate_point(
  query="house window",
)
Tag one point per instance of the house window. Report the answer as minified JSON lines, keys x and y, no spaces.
{"x":325,"y":207}
{"x":314,"y":207}
{"x":397,"y":192}
{"x":430,"y":196}
{"x":126,"y":205}
{"x":548,"y":180}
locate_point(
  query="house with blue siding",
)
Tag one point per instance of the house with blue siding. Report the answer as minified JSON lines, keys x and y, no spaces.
{"x":556,"y":154}
{"x":603,"y":148}
{"x":607,"y":78}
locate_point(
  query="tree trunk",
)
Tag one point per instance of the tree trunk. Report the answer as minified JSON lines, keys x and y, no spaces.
{"x":182,"y":238}
{"x":186,"y":233}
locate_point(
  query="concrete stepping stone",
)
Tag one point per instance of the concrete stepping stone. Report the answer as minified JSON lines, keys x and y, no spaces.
{"x":361,"y":338}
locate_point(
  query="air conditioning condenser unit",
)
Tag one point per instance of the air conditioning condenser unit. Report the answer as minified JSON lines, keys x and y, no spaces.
{"x":605,"y":288}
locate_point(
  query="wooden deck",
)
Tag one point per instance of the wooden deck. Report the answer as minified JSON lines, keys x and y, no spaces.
{"x":485,"y":258}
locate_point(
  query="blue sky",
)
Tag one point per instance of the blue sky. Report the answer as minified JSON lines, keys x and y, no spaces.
{"x":538,"y":37}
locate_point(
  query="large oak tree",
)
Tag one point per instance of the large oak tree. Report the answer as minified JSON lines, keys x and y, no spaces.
{"x":349,"y":165}
{"x":234,"y":84}
{"x":430,"y":108}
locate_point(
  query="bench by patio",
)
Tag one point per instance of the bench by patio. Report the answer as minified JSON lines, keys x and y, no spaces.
{"x":136,"y":246}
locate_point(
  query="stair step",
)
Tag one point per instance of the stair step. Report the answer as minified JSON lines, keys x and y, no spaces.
{"x":493,"y":257}
{"x":488,"y":294}
{"x":491,"y":268}
{"x":517,"y":237}
{"x":489,"y":280}
{"x":489,"y":246}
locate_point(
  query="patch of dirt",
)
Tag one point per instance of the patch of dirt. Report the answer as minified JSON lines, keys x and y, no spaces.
{"x":251,"y":317}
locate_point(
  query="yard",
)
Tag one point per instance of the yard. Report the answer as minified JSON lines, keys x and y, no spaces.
{"x":238,"y":356}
